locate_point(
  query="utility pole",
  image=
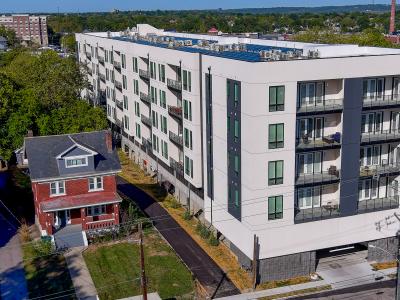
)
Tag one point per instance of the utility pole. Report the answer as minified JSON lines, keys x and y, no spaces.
{"x":398,"y":259}
{"x":142,"y":271}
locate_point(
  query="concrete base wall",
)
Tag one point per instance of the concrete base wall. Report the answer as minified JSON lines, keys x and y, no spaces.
{"x":182,"y":193}
{"x":244,"y":261}
{"x":288,"y":266}
{"x":377,"y":254}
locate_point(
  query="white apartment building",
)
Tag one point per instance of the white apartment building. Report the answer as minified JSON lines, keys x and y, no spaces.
{"x":296,"y":144}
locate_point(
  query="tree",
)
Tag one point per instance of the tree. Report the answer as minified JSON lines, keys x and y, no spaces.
{"x":68,"y":42}
{"x":9,"y":35}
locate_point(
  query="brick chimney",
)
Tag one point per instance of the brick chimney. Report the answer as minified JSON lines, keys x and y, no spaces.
{"x":392,"y":28}
{"x":109,"y":141}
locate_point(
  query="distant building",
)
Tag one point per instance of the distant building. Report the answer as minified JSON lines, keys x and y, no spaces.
{"x":73,"y":180}
{"x":29,"y":29}
{"x":213,"y":31}
{"x":3,"y":43}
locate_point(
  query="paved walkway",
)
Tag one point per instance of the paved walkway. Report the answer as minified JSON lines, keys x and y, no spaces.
{"x":12,"y":274}
{"x":206,"y":271}
{"x":83,"y":283}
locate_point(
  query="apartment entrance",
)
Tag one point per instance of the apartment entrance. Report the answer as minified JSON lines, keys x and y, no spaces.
{"x":62,"y":218}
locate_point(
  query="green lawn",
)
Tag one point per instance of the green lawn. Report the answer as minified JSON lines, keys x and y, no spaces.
{"x":115,"y":269}
{"x":46,"y":275}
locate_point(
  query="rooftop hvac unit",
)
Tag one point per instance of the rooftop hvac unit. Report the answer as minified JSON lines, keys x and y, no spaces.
{"x":188,"y":43}
{"x":167,"y":39}
{"x":313,"y":54}
{"x":264,"y":54}
{"x":235,"y":47}
{"x":170,"y":44}
{"x":275,"y":56}
{"x":284,"y":56}
{"x":242,"y":47}
{"x":298,"y":53}
{"x":290,"y":54}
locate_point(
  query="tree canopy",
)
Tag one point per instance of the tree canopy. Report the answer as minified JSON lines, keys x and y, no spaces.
{"x":41,"y":93}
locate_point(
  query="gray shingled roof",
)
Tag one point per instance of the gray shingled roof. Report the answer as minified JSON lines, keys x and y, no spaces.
{"x":3,"y":39}
{"x":42,"y":151}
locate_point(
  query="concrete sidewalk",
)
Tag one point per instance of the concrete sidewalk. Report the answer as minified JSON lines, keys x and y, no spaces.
{"x":83,"y":283}
{"x":12,"y":275}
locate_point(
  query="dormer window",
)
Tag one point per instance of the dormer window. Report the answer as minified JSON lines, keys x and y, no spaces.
{"x":76,"y":162}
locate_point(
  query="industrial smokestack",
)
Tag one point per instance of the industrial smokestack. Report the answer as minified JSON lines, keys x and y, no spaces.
{"x":392,"y":18}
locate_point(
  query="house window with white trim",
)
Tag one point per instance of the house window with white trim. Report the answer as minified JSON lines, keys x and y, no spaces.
{"x":76,"y":162}
{"x":95,"y":183}
{"x":57,"y":188}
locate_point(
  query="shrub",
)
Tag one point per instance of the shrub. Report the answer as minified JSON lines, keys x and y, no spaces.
{"x":186,"y":215}
{"x":199,"y":227}
{"x":213,"y":241}
{"x":205,"y":233}
{"x":174,"y":203}
{"x":24,"y":233}
{"x":43,"y":247}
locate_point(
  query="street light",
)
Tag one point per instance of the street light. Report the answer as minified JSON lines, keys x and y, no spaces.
{"x":396,"y":257}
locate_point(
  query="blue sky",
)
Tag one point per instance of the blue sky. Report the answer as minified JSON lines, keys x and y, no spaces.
{"x":107,"y":5}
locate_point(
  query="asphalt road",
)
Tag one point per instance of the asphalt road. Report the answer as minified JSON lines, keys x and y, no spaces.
{"x":205,"y":270}
{"x":382,"y":290}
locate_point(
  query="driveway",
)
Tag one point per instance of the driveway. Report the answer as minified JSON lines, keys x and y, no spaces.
{"x":201,"y":265}
{"x":12,"y":274}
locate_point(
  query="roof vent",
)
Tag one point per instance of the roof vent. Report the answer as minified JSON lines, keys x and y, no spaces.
{"x":264,"y":54}
{"x":313,"y":54}
{"x":188,"y":43}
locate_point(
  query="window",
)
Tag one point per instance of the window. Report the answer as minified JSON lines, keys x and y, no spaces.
{"x":153,"y":95}
{"x":107,"y":75}
{"x":108,"y":110}
{"x":188,"y":138}
{"x":126,"y":122}
{"x":236,"y":94}
{"x":124,"y":84}
{"x":236,"y":164}
{"x":163,"y":99}
{"x":164,"y":149}
{"x":236,"y":124}
{"x":57,"y":188}
{"x":187,"y":80}
{"x":275,"y":172}
{"x":123,"y":61}
{"x":276,"y":98}
{"x":374,"y":88}
{"x":275,"y":207}
{"x":138,"y":132}
{"x":309,"y":197}
{"x":96,"y":210}
{"x":276,"y":136}
{"x":187,"y":110}
{"x":112,"y":76}
{"x":134,"y":64}
{"x":137,"y":109}
{"x":153,"y":70}
{"x":189,"y":166}
{"x":161,"y":72}
{"x":154,"y":118}
{"x":75,"y":162}
{"x":136,"y":87}
{"x":155,"y":143}
{"x":125,"y":99}
{"x":95,"y":183}
{"x":163,"y":121}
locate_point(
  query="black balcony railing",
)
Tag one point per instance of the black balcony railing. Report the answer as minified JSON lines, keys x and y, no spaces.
{"x":330,"y":176}
{"x":383,"y":136}
{"x":146,"y":120}
{"x":102,"y":77}
{"x":89,"y":55}
{"x":177,"y":139}
{"x":178,"y":166}
{"x":145,"y":98}
{"x":324,"y":212}
{"x":382,"y":101}
{"x":175,"y":111}
{"x":101,"y":59}
{"x":119,"y":104}
{"x":174,"y":84}
{"x":365,"y":206}
{"x":323,"y":106}
{"x":117,"y":65}
{"x":144,"y":74}
{"x":118,"y":122}
{"x":378,"y":170}
{"x":118,"y":85}
{"x":325,"y":142}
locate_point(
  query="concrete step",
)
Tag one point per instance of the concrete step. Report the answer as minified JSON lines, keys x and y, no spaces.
{"x":69,"y":238}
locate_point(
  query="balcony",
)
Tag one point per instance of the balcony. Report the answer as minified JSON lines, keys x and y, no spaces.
{"x":370,"y":205}
{"x":330,"y":176}
{"x":381,"y":102}
{"x":102,"y":77}
{"x":145,"y":98}
{"x":146,"y":143}
{"x":324,"y":212}
{"x":101,"y":59}
{"x":175,"y":111}
{"x":378,"y":137}
{"x":88,"y":55}
{"x":146,"y":120}
{"x":117,"y":65}
{"x":177,"y":139}
{"x":119,"y":104}
{"x":174,"y":84}
{"x":326,"y":106}
{"x":144,"y":74}
{"x":178,"y":166}
{"x":379,"y":170}
{"x":326,"y":142}
{"x":118,"y":85}
{"x":89,"y":71}
{"x":118,"y":122}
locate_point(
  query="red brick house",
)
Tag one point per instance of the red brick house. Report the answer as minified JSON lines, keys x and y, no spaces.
{"x":73,"y":180}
